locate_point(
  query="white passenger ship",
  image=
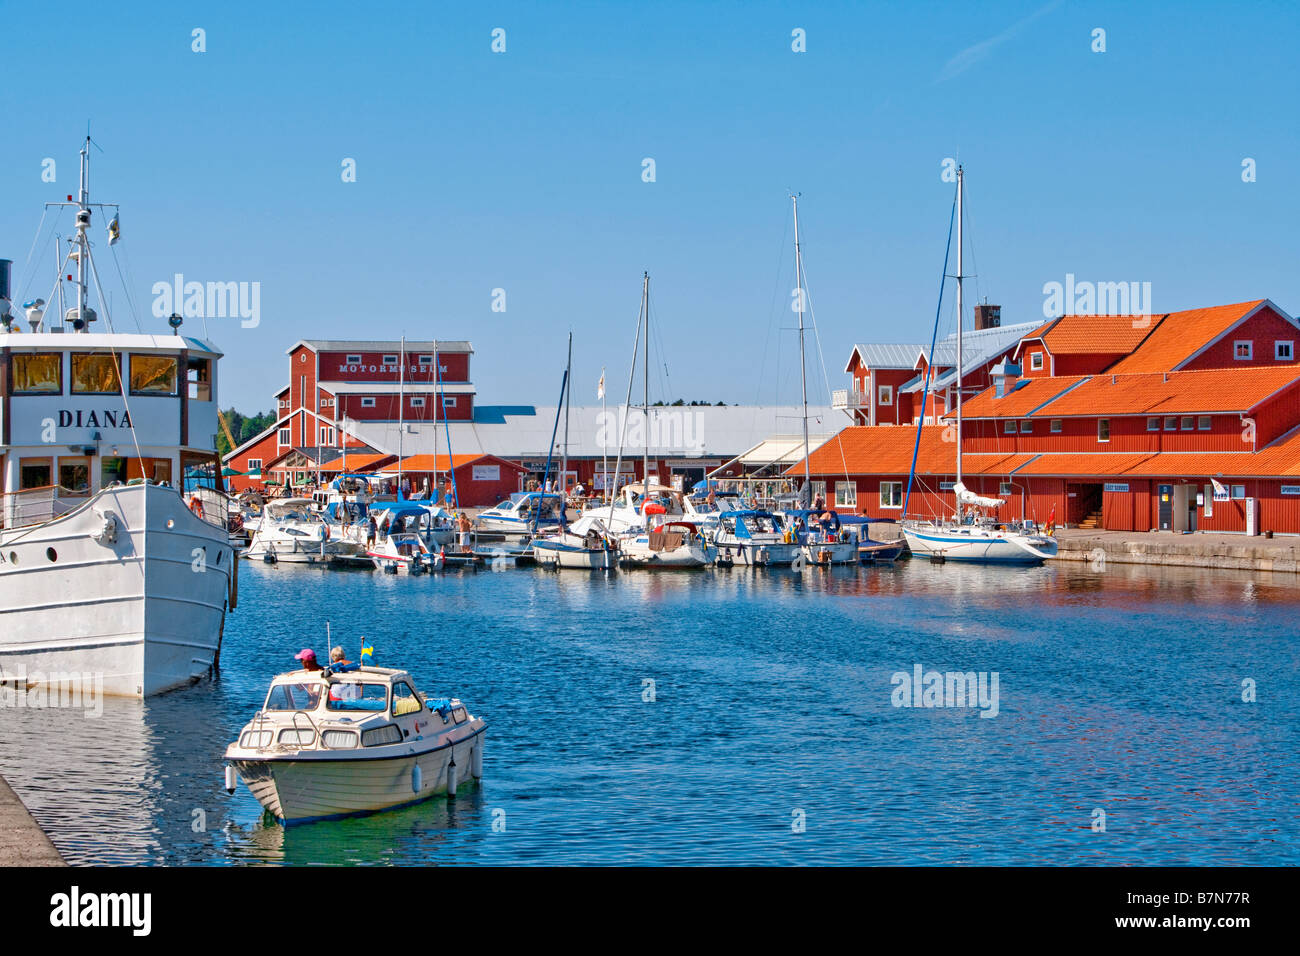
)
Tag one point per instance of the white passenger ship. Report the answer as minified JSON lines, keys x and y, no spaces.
{"x":109,"y":571}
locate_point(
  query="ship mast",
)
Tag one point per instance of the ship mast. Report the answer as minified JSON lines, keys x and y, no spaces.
{"x":805,"y":494}
{"x":960,"y":185}
{"x":645,"y":456}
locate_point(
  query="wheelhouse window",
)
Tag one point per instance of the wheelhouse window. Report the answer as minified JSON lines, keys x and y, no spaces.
{"x":153,"y":374}
{"x":405,"y":700}
{"x":35,"y":473}
{"x":891,"y":494}
{"x":1103,"y":429}
{"x":355,"y":695}
{"x":303,"y":696}
{"x":95,"y":374}
{"x":846,"y":494}
{"x":37,"y":374}
{"x":74,"y":476}
{"x":1283,"y":351}
{"x":1243,"y":351}
{"x":198,"y":380}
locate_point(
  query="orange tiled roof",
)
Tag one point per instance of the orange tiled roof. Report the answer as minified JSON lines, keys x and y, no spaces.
{"x":438,"y":462}
{"x":887,"y":450}
{"x":1204,"y":391}
{"x":1098,"y":334}
{"x":1179,"y":334}
{"x":355,"y":462}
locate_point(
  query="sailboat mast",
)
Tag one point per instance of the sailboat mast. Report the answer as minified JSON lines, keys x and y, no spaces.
{"x":401,"y":414}
{"x":83,"y":222}
{"x":805,"y":495}
{"x":960,"y":188}
{"x":645,"y":309}
{"x":564,"y":460}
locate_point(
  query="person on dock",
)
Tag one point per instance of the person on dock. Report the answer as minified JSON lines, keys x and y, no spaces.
{"x":371,"y":530}
{"x":463,"y":526}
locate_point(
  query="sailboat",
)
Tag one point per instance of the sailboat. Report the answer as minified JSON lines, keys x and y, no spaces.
{"x":971,"y":535}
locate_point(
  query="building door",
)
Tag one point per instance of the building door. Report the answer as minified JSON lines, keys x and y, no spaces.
{"x":1166,"y":501}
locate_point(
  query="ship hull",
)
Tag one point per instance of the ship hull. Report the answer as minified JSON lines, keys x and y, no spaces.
{"x":139,"y":611}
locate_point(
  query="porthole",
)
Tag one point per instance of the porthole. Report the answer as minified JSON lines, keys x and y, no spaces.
{"x":13,"y":557}
{"x":52,"y":554}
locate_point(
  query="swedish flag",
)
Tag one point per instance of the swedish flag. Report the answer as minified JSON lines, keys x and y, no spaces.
{"x":367,"y":652}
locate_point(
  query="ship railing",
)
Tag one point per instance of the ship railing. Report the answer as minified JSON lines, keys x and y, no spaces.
{"x":216,"y":507}
{"x":32,"y":506}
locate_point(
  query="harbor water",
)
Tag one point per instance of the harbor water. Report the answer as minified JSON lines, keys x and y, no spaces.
{"x":739,"y":717}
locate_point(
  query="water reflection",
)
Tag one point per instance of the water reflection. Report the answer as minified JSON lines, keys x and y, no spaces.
{"x":680,"y":717}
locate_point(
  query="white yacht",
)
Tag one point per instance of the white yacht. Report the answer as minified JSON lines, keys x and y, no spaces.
{"x":351,"y":740}
{"x":585,"y":546}
{"x":294,"y":531}
{"x":755,"y":538}
{"x":108,"y":570}
{"x":668,"y":543}
{"x":531,"y":512}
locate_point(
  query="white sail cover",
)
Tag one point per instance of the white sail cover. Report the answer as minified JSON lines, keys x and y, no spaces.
{"x":967,"y":497}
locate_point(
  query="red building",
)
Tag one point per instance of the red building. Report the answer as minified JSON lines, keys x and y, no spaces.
{"x":1185,"y":421}
{"x":333,"y":384}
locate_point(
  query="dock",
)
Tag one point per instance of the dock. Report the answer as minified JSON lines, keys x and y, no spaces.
{"x":22,"y":841}
{"x":1234,"y":552}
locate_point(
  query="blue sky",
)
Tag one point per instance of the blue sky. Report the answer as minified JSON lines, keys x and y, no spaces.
{"x":523,"y":170}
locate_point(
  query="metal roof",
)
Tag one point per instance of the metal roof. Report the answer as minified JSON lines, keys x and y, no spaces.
{"x":887,"y":356}
{"x":379,"y":345}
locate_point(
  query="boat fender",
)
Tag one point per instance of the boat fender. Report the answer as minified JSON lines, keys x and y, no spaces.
{"x":196,"y":506}
{"x":417,"y":779}
{"x":451,"y":779}
{"x":230,"y":778}
{"x":476,"y":761}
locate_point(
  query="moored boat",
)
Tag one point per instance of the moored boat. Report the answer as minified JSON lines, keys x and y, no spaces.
{"x":351,"y":740}
{"x":755,"y":538}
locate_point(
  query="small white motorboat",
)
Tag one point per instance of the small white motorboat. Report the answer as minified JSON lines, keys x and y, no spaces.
{"x":755,"y":538}
{"x":586,"y":546}
{"x":404,"y":552}
{"x":532,"y":512}
{"x":353,"y":739}
{"x":668,"y":544}
{"x":293,"y":530}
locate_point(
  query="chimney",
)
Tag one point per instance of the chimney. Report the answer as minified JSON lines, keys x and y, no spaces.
{"x":1005,"y":376}
{"x":987,"y":316}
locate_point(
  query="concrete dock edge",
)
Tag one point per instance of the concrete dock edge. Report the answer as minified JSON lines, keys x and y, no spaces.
{"x":22,"y":841}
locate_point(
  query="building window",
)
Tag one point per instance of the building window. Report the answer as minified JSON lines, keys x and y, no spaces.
{"x":153,"y":375}
{"x":254,"y":468}
{"x":891,"y":494}
{"x":353,"y":360}
{"x":367,"y":403}
{"x":1103,"y":429}
{"x":390,"y":359}
{"x":1006,"y":488}
{"x":1057,"y":426}
{"x":285,"y":437}
{"x":886,"y":395}
{"x":1026,"y":426}
{"x":1189,"y":423}
{"x":326,"y":435}
{"x":1283,"y":351}
{"x":1243,"y":351}
{"x":449,"y":401}
{"x":95,"y":374}
{"x":1171,"y":423}
{"x":37,"y":374}
{"x":1036,"y":361}
{"x":1153,"y":424}
{"x":1238,"y":492}
{"x":1203,"y":423}
{"x":417,"y":401}
{"x":846,"y":494}
{"x":326,"y":402}
{"x":1008,"y":427}
{"x":426,"y":359}
{"x":35,"y":473}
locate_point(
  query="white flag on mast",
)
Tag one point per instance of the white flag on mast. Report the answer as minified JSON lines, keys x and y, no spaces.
{"x":600,"y":386}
